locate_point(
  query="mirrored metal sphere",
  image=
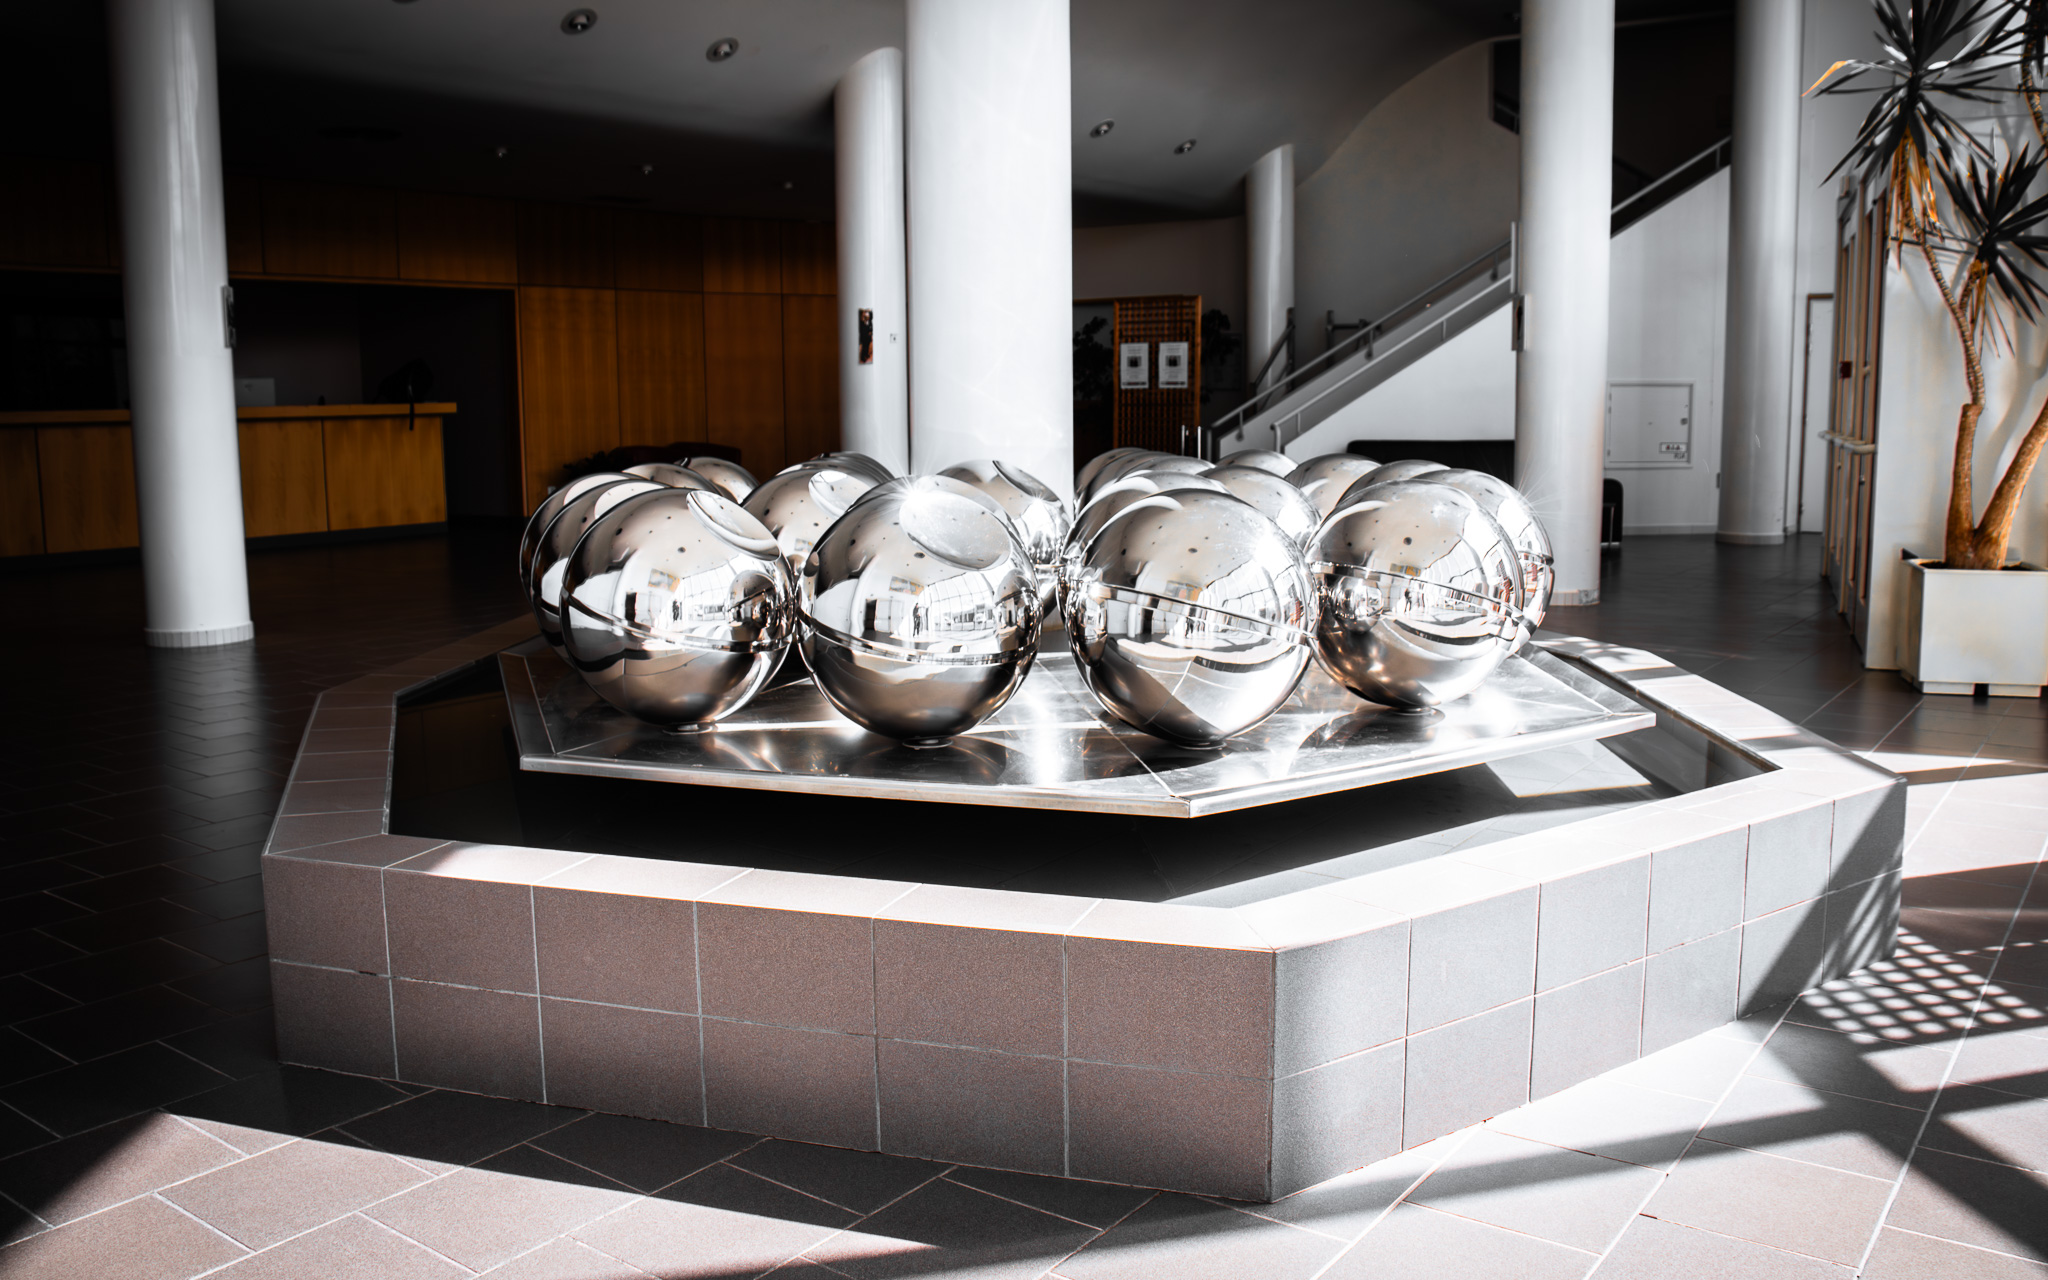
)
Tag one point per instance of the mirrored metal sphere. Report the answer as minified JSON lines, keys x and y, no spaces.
{"x":921,"y":611}
{"x":550,"y":507}
{"x":1280,"y":501}
{"x":1264,"y":459}
{"x":859,"y":464}
{"x":732,"y":479}
{"x":1086,"y":475}
{"x":1506,"y":504}
{"x":1189,"y":616}
{"x":1035,"y":511}
{"x":675,"y":477}
{"x":1118,"y":468}
{"x":1421,"y":594}
{"x":1109,"y":502}
{"x":560,"y":538}
{"x":677,"y":607}
{"x":799,"y":504}
{"x":1169,"y":464}
{"x":1405,"y":469}
{"x":1323,"y":480}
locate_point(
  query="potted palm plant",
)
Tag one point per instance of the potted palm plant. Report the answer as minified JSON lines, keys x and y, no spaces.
{"x":1973,"y":221}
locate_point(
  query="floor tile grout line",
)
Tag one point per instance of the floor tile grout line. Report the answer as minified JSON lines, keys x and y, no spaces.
{"x":1100,"y":1232}
{"x":1397,"y":1201}
{"x":180,"y":1209}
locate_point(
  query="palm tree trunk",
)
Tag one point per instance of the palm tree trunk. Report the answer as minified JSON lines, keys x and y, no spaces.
{"x":1994,"y":532}
{"x":1958,"y":531}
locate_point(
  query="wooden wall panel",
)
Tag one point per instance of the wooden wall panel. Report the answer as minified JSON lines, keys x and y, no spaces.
{"x":284,"y":477}
{"x":810,"y":258}
{"x":467,"y":239}
{"x":565,"y":245}
{"x":568,"y":381}
{"x":21,"y":502}
{"x":743,"y":377}
{"x":658,"y":251}
{"x":245,"y":225}
{"x":55,"y":213}
{"x":313,"y":229}
{"x":383,"y":471}
{"x":742,"y":255}
{"x":661,"y":366}
{"x":88,"y":487}
{"x":810,"y":375}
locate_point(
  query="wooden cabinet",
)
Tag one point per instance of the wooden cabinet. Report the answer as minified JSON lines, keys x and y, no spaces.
{"x":457,"y":239}
{"x":313,"y":229}
{"x":284,"y":477}
{"x":384,"y":471}
{"x":661,"y":366}
{"x":88,"y":487}
{"x":810,"y":375}
{"x":568,"y":381}
{"x":21,"y":494}
{"x":743,"y":376}
{"x":810,"y":258}
{"x":742,"y":255}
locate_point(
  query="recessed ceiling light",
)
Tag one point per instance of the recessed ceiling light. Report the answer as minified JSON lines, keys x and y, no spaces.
{"x":503,"y":151}
{"x":578,"y":21}
{"x":787,"y":185}
{"x":720,"y":50}
{"x":1184,"y":147}
{"x":1102,"y":128}
{"x":646,"y":169}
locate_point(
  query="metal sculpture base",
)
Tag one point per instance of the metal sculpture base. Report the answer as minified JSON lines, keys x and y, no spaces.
{"x":1051,"y":746}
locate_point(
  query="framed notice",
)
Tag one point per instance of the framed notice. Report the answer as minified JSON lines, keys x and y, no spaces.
{"x":1173,"y":364}
{"x":1134,"y":366}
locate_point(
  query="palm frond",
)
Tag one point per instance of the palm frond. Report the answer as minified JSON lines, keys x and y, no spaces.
{"x":1999,"y":239}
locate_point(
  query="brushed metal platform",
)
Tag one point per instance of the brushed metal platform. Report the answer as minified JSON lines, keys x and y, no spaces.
{"x":1051,"y":746}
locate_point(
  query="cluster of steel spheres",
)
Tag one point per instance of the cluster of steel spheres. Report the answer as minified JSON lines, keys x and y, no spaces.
{"x":1194,"y":595}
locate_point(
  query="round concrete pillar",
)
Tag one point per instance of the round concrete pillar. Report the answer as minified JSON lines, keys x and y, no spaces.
{"x":874,"y":328}
{"x":1269,"y":257}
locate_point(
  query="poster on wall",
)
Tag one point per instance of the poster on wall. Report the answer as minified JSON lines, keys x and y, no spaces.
{"x":1134,"y":366}
{"x":1173,"y":364}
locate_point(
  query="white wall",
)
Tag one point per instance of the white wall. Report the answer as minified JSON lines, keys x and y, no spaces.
{"x":1463,"y":390}
{"x":1425,"y":182}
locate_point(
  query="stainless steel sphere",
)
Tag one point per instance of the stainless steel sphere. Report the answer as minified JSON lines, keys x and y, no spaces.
{"x":1264,"y":459}
{"x":550,"y":507}
{"x":560,"y":538}
{"x":1421,"y":594}
{"x":1405,"y":469}
{"x":1109,"y":502}
{"x":1281,"y":502}
{"x":1035,"y":512}
{"x":1189,"y":616}
{"x":677,"y":607}
{"x":1323,"y":480}
{"x":799,"y":504}
{"x":1506,"y":504}
{"x":672,"y":475}
{"x":1169,"y":464}
{"x":1118,"y":468}
{"x":1089,"y":469}
{"x":732,"y":479}
{"x":859,"y":464}
{"x":921,"y":611}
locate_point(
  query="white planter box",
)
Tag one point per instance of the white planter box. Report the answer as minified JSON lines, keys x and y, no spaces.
{"x":1965,"y":627}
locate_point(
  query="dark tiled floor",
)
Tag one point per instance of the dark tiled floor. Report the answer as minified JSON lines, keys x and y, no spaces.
{"x":1892,"y":1125}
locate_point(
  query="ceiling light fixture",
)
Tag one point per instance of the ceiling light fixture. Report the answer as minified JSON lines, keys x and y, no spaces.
{"x":1102,"y":129}
{"x":646,"y":169}
{"x":721,"y":50}
{"x":503,"y":151}
{"x":578,"y":21}
{"x":1184,"y":147}
{"x":787,"y":185}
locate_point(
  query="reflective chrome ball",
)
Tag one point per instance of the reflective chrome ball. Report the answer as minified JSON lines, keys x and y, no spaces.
{"x":1405,"y":469}
{"x":1280,"y":501}
{"x":1189,"y":616}
{"x":1506,"y":504}
{"x":1421,"y":594}
{"x":799,"y":504}
{"x":569,"y":525}
{"x":675,"y":477}
{"x":1264,"y":459}
{"x":1034,"y":511}
{"x":1323,"y":480}
{"x":1109,"y":502}
{"x":859,"y":464}
{"x":1116,"y":469}
{"x":921,"y":611}
{"x":550,"y":507}
{"x":677,"y":607}
{"x":732,"y":479}
{"x":1169,"y":464}
{"x":1086,"y":475}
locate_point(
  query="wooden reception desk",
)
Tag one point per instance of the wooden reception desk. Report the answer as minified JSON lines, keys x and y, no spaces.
{"x":67,"y":479}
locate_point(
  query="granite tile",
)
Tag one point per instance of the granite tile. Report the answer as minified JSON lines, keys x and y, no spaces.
{"x":1418,"y":1243}
{"x":973,"y":1107}
{"x":803,"y":969}
{"x":1786,"y":1204}
{"x":633,"y":1062}
{"x":1001,"y":988}
{"x":1566,"y":1197}
{"x":646,"y":1155}
{"x":1464,"y":1072}
{"x":1788,"y":860}
{"x":353,"y":1248}
{"x":1690,"y":989}
{"x":1696,"y":889}
{"x":1180,"y":1236}
{"x":475,"y":933}
{"x":1783,"y":954}
{"x":292,"y":1189}
{"x":616,"y":948}
{"x":1591,"y":922}
{"x":1652,"y":1249}
{"x":1584,"y":1029}
{"x":1129,"y":1124}
{"x":341,"y":1020}
{"x":463,"y":1038}
{"x":144,"y":1239}
{"x":963,"y":1231}
{"x":325,"y":913}
{"x":1183,"y":1008}
{"x":1337,"y":1117}
{"x":66,"y":1180}
{"x":814,"y":1086}
{"x":480,"y":1218}
{"x":1907,"y":1255}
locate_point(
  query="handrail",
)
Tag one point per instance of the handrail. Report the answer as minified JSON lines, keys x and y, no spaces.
{"x":1850,"y":443}
{"x":1370,"y":332}
{"x":1285,"y":343}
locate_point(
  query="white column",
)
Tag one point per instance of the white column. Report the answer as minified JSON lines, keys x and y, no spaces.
{"x":1567,"y":191}
{"x":874,"y":398}
{"x":174,"y":266}
{"x":1269,"y":257}
{"x":1763,"y":260}
{"x":988,"y":159}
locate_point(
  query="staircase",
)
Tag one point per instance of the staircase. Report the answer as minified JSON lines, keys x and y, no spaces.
{"x":1297,"y":400}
